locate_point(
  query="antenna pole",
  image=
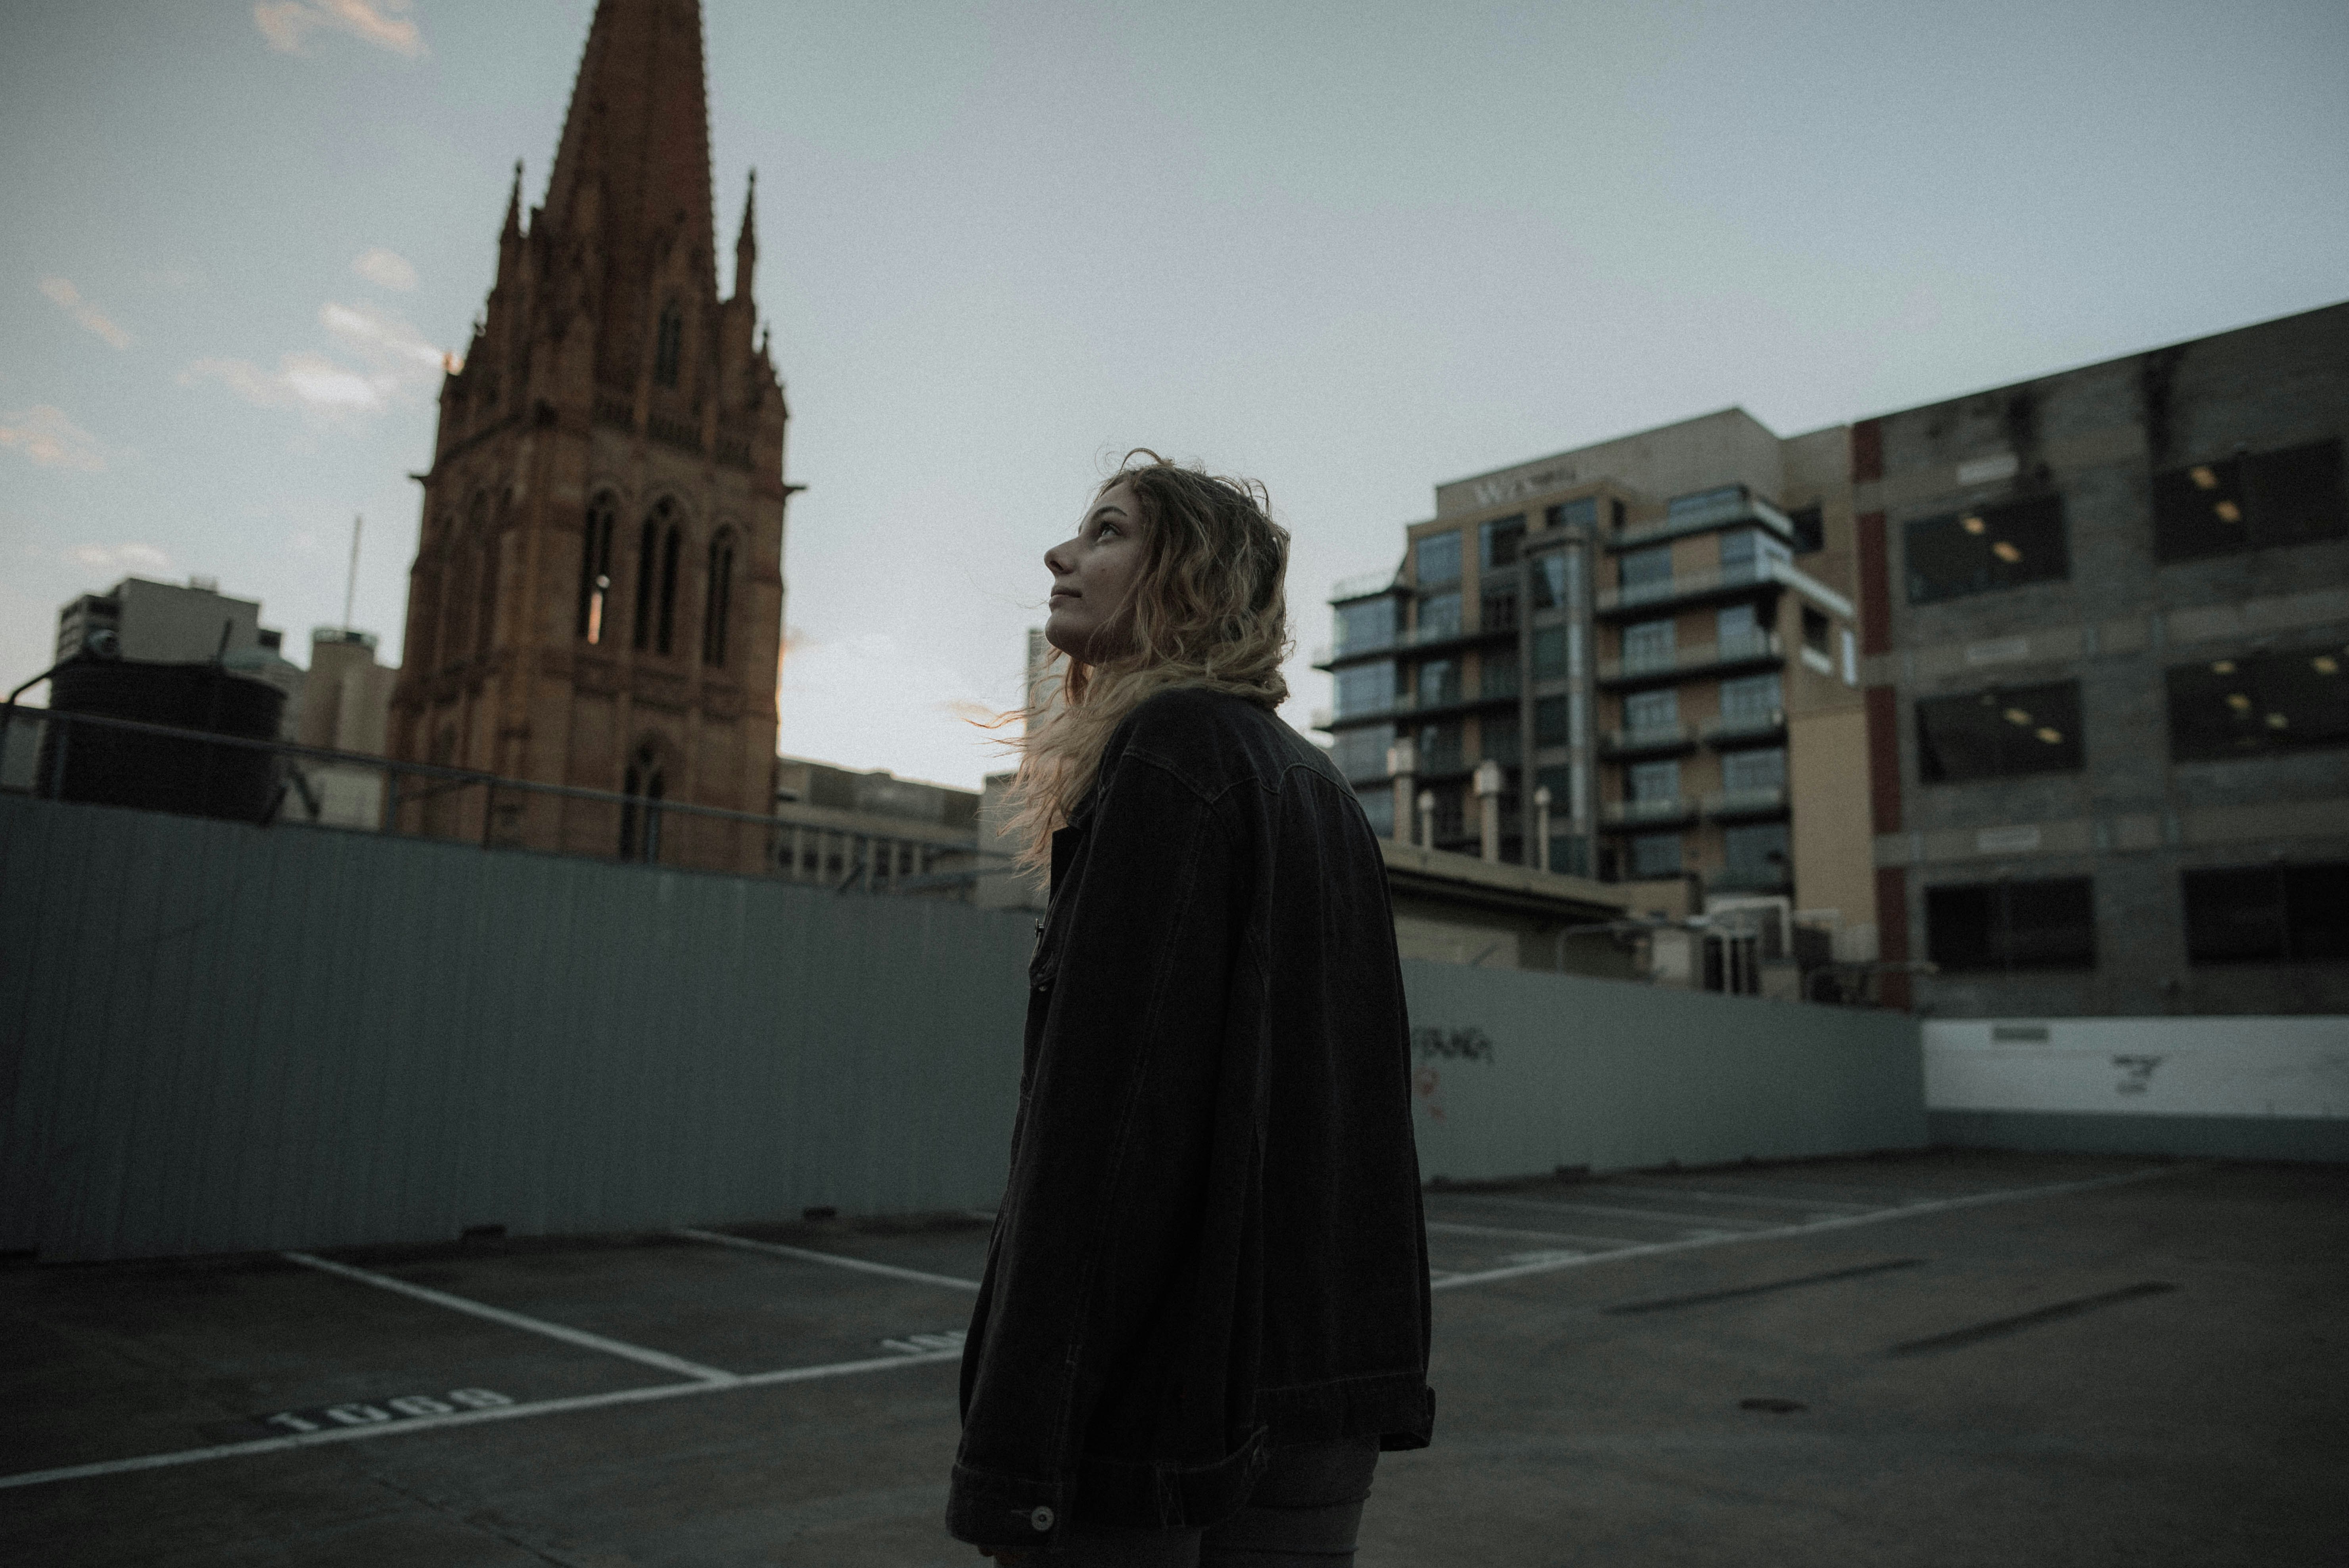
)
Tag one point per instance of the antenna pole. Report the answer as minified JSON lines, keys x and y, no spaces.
{"x":351,"y":583}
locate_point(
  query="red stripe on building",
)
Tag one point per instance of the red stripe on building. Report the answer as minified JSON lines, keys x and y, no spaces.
{"x":1875,"y":586}
{"x":1892,"y":935}
{"x":1884,"y":758}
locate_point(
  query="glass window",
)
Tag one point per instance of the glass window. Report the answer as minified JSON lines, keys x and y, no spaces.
{"x":1545,"y":575}
{"x":1366,"y":688}
{"x":2006,"y":926}
{"x":1366,"y":624}
{"x":1653,"y":780}
{"x":1361,"y":754}
{"x":1504,"y":742}
{"x":1377,"y":805}
{"x":1653,"y":564}
{"x":1549,"y":653}
{"x":1756,"y":856}
{"x":1701,"y":500}
{"x":1751,"y":697}
{"x":1745,"y":546}
{"x":1497,"y":541}
{"x":1574,"y":652}
{"x":1439,"y":559}
{"x":1439,"y":615}
{"x":1737,"y":624}
{"x":1652,"y":710}
{"x":1498,"y":611}
{"x":2258,"y":703}
{"x":1983,"y":551}
{"x":2268,"y":914}
{"x":1816,"y":628}
{"x":1500,"y":673}
{"x":1561,"y":789}
{"x":2287,"y":497}
{"x":1551,"y":721}
{"x":1999,"y":733}
{"x":1439,"y":682}
{"x":1656,"y":855}
{"x":1582,"y":512}
{"x":1570,"y":854}
{"x":1439,"y":748}
{"x":1810,"y":528}
{"x":1763,"y":769}
{"x":1648,"y":646}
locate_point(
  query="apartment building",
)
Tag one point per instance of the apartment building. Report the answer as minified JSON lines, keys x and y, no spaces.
{"x":1647,"y":647}
{"x":2107,"y":615}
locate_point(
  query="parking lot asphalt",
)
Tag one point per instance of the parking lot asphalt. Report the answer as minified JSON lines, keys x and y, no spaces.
{"x":1936,"y":1358}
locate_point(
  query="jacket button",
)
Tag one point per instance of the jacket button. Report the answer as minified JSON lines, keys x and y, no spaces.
{"x":1041,"y":1519}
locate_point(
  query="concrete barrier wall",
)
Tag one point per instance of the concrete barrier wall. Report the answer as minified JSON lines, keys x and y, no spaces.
{"x":215,"y":1038}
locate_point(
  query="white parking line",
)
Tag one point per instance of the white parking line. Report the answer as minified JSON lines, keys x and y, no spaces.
{"x":1839,"y":1222}
{"x":1692,"y":1221}
{"x":1449,"y":1228}
{"x":861,"y":1264}
{"x":578,"y":1337}
{"x":470,"y":1419}
{"x":1813,"y":1204}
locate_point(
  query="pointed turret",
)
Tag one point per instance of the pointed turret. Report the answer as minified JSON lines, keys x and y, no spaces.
{"x":746,"y":243}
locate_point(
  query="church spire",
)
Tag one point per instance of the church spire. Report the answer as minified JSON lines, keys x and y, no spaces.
{"x":746,"y":243}
{"x":511,"y":233}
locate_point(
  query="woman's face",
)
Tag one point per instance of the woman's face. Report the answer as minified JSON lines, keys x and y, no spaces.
{"x":1092,"y":574}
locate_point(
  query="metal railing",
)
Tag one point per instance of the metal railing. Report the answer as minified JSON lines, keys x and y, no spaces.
{"x":1736,"y":508}
{"x":420,"y":799}
{"x":1746,"y":802}
{"x":1743,"y":727}
{"x":1714,"y":579}
{"x":1747,"y":648}
{"x":1639,"y":813}
{"x":1649,"y":738}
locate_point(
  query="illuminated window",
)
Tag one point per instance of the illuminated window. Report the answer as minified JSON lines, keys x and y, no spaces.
{"x":596,"y":567}
{"x":2008,"y":925}
{"x":2000,"y":733}
{"x":1986,"y":548}
{"x":2287,"y":497}
{"x":2257,"y":704}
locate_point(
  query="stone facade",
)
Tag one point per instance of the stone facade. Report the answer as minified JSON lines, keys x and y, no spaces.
{"x":597,"y":594}
{"x":2138,"y":814}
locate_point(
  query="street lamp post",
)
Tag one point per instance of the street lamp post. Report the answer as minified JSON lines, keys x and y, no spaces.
{"x":1402,"y":762}
{"x":1541,"y":827}
{"x":1488,"y":809}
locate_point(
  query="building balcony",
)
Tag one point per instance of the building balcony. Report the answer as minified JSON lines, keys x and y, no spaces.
{"x":1745,"y":730}
{"x":1417,"y":639}
{"x":1407,"y":705}
{"x":1362,"y":586}
{"x":1752,"y":649}
{"x":1744,"y":805}
{"x":1671,"y":811}
{"x":1656,"y":739}
{"x":1725,"y":512}
{"x":1749,"y":878}
{"x":1718,"y":581}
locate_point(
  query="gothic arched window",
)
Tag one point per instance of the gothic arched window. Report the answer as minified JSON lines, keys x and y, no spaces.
{"x":719,"y":599}
{"x":594,"y":568}
{"x":485,"y":619}
{"x":647,"y":543}
{"x":640,"y":812}
{"x":668,"y":591}
{"x":668,"y":346}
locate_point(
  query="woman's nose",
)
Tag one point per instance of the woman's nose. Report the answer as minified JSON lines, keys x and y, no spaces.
{"x":1056,"y":562}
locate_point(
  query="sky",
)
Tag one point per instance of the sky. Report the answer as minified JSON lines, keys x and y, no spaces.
{"x":1352,"y":251}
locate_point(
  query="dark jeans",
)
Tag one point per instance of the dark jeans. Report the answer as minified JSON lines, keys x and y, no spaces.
{"x":1302,"y":1514}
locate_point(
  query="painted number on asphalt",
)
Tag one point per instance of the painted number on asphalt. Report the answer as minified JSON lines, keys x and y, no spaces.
{"x":375,"y":1412}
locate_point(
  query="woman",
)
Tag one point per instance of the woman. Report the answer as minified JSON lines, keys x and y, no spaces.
{"x":1205,"y":1307}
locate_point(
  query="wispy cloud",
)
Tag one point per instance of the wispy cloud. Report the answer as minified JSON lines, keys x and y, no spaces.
{"x":68,"y":298}
{"x":383,"y":23}
{"x":44,"y":435}
{"x":397,"y":363}
{"x":127,"y":557}
{"x":386,"y":270}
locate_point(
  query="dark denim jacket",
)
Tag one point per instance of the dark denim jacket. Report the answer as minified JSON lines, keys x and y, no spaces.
{"x":1210,"y":1243}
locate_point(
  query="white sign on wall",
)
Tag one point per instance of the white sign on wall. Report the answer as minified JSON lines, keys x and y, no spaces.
{"x":2144,"y":1067}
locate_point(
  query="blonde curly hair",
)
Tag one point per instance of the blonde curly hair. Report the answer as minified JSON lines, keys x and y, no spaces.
{"x":1208,"y":609}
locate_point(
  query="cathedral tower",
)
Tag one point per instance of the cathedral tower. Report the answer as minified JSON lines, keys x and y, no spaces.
{"x":597,"y":595}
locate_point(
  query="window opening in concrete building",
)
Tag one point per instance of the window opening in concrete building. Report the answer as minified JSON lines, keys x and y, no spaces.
{"x":1754,"y":858}
{"x":1649,"y":645}
{"x":1656,"y":855}
{"x":1366,"y":688}
{"x":1439,"y":682}
{"x":1439,"y":559}
{"x":1810,"y":528}
{"x":1580,"y":512}
{"x":1751,"y":697}
{"x":1986,"y":548}
{"x":2256,"y":703}
{"x":1439,"y":615}
{"x":2253,"y":501}
{"x":1653,"y":782}
{"x":1749,"y":551}
{"x":1498,"y":613}
{"x":1646,"y":712}
{"x":1498,"y":542}
{"x":1761,"y":769}
{"x":1999,"y":733}
{"x":1617,"y":515}
{"x":1361,"y":754}
{"x":1439,"y":748}
{"x":1549,"y":653}
{"x":2008,"y":925}
{"x":1366,"y":624}
{"x":1817,"y":631}
{"x":1551,"y":721}
{"x":1737,"y":624}
{"x":1504,"y":741}
{"x":1636,"y":568}
{"x":1500,"y":673}
{"x":2267,"y":914}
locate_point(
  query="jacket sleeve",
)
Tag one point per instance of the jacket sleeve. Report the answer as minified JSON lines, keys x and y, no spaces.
{"x":1109,"y":1180}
